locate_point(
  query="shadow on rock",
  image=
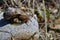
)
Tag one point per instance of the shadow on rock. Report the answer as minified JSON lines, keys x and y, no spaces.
{"x":3,"y":22}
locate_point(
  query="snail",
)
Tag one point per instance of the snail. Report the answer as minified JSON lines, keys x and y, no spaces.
{"x":15,"y":16}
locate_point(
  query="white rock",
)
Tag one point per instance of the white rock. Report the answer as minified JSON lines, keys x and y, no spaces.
{"x":22,"y":31}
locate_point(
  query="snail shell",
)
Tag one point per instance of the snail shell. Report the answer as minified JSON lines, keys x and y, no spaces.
{"x":9,"y":12}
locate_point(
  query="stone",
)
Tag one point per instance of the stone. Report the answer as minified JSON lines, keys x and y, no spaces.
{"x":20,"y":31}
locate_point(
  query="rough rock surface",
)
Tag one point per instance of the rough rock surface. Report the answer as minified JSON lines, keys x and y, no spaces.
{"x":22,"y":31}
